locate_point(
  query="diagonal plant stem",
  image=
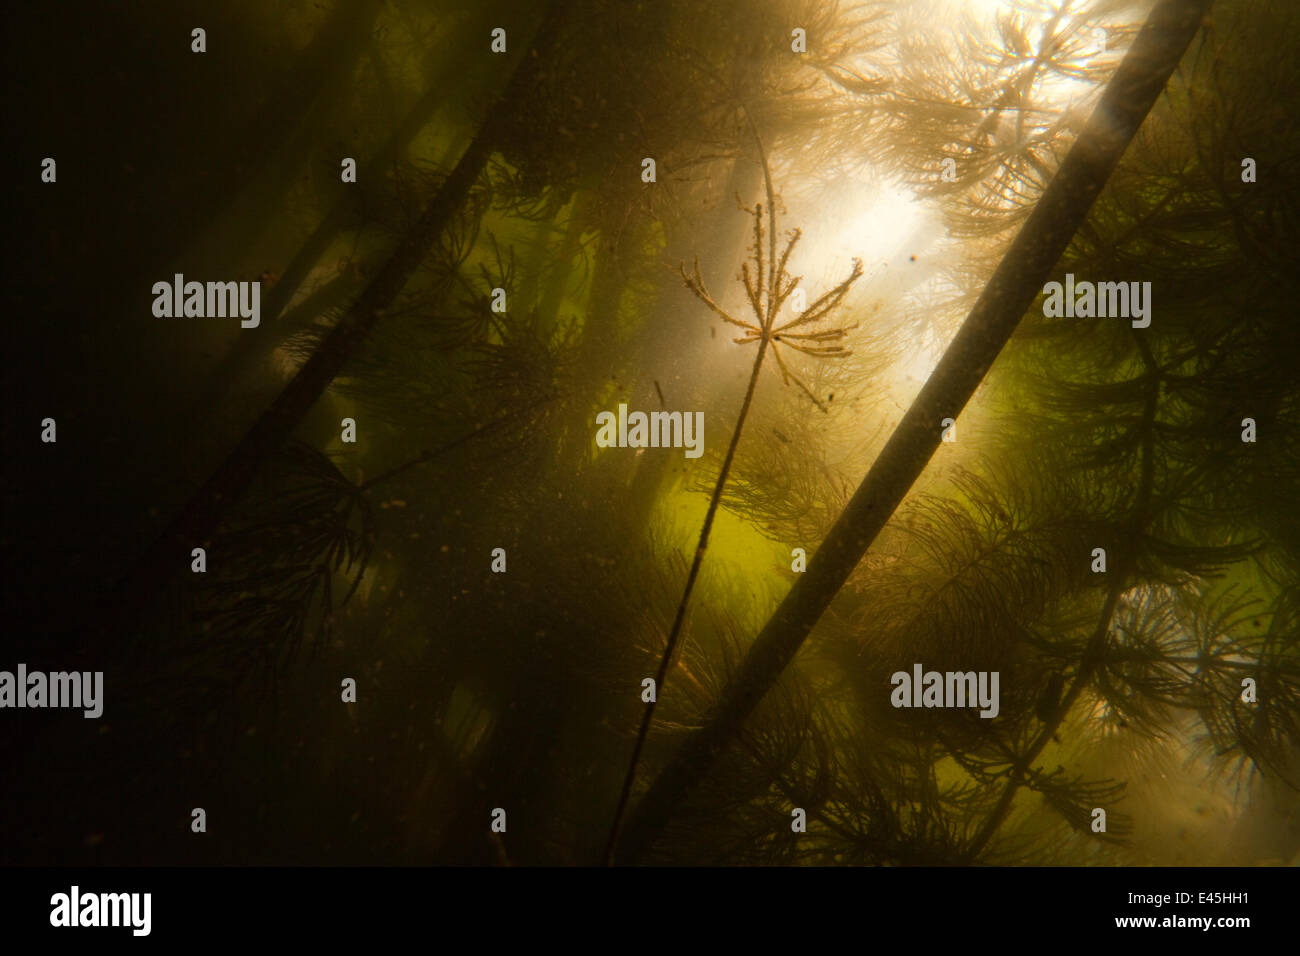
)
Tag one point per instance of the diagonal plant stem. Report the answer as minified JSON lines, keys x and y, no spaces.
{"x":665,"y":661}
{"x":203,"y":513}
{"x":1047,"y":231}
{"x":766,"y":317}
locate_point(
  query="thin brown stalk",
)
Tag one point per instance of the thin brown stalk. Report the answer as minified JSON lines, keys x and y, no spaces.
{"x":766,"y":288}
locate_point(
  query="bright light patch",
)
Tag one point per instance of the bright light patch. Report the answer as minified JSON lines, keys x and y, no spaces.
{"x":982,"y":10}
{"x":856,"y":218}
{"x":883,"y":223}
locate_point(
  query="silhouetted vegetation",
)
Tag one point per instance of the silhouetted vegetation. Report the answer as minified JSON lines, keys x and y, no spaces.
{"x":502,"y":271}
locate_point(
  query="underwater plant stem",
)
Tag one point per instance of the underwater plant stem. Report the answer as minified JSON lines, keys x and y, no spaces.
{"x":254,"y":342}
{"x":1055,"y":218}
{"x":647,"y":718}
{"x":234,"y":365}
{"x":772,"y":278}
{"x":767,"y":319}
{"x":199,"y":518}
